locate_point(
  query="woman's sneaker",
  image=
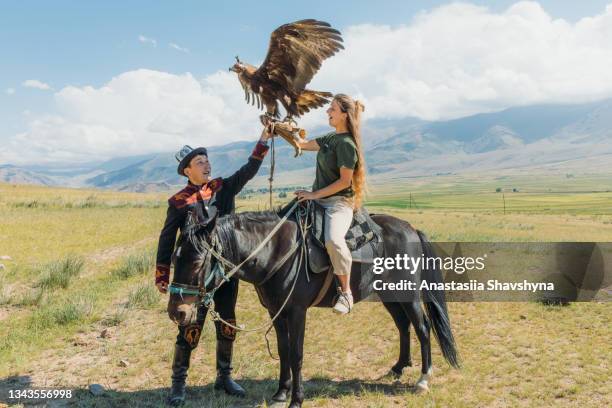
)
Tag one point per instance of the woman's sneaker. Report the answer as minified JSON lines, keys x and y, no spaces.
{"x":344,"y":304}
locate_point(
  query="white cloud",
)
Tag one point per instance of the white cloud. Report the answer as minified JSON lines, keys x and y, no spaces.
{"x":10,"y":91}
{"x":179,"y":48}
{"x":35,"y":83}
{"x":147,"y":40}
{"x":462,"y":59}
{"x":137,"y":112}
{"x":453,"y":61}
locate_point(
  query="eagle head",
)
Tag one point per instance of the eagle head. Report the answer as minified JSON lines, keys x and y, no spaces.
{"x":243,"y":69}
{"x":238,"y":67}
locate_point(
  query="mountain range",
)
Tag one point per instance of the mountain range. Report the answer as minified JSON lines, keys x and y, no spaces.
{"x":552,"y":137}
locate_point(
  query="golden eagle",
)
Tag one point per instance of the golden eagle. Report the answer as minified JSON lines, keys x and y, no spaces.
{"x":295,"y":54}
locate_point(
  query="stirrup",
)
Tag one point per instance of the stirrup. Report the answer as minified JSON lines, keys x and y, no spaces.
{"x":344,"y":304}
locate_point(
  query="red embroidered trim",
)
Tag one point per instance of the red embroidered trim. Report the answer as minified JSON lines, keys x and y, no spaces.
{"x":215,"y":184}
{"x":260,"y":150}
{"x":191,"y":194}
{"x":227,"y":331}
{"x":162,"y":273}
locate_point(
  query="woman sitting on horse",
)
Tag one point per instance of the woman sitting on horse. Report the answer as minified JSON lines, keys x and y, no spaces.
{"x":339,"y":186}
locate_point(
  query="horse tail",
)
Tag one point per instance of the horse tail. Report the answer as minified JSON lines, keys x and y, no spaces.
{"x":435,"y":305}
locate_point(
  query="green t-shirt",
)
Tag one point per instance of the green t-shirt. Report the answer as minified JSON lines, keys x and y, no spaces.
{"x":335,"y":151}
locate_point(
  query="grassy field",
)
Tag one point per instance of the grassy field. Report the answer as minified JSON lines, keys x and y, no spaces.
{"x":77,"y":304}
{"x":524,"y":194}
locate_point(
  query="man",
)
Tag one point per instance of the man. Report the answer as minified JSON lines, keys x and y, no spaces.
{"x":203,"y":195}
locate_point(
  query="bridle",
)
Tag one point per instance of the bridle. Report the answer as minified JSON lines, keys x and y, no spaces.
{"x":214,"y":248}
{"x":199,"y":290}
{"x":200,"y":244}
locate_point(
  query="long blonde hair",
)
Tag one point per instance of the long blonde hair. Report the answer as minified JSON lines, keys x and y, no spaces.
{"x":353,"y":109}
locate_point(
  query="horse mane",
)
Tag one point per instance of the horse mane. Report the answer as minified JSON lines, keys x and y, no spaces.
{"x":228,"y":225}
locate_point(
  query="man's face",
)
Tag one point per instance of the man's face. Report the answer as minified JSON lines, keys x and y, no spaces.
{"x":198,"y":170}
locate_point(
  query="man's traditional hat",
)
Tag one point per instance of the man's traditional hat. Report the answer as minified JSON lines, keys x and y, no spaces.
{"x":185,"y":155}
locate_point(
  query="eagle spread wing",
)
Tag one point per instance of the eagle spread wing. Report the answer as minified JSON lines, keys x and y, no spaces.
{"x":296,"y":52}
{"x":249,"y":95}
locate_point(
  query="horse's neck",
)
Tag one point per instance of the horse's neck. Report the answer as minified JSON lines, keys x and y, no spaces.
{"x":247,"y":242}
{"x":245,"y":245}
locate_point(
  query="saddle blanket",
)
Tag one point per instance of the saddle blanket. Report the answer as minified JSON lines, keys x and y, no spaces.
{"x":364,"y":237}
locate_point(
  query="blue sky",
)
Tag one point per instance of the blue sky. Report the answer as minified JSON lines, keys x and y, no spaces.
{"x":77,"y":43}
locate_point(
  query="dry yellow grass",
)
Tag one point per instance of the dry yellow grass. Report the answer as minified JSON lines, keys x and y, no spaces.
{"x":514,"y":354}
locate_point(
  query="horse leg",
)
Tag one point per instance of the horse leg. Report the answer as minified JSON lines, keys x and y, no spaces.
{"x":403,"y":326}
{"x":422,"y":329}
{"x":297,"y":326}
{"x":282,"y":339}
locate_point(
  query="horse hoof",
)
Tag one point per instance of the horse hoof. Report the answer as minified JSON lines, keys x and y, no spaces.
{"x":175,"y":402}
{"x":280,"y":396}
{"x":421,"y":388}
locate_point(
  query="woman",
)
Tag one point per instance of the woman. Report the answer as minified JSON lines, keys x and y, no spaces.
{"x":339,"y":186}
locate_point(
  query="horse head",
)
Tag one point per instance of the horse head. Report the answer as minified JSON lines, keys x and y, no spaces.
{"x":193,"y":263}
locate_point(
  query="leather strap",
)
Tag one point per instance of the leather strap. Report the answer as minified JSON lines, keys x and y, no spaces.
{"x":326,"y":284}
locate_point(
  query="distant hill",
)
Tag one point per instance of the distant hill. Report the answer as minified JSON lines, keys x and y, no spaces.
{"x":553,"y":136}
{"x":149,"y":187}
{"x":161,"y":168}
{"x":531,"y":123}
{"x":17,"y":175}
{"x":495,"y":138}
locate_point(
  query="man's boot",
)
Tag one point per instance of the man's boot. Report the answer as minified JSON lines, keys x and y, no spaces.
{"x":180,"y":365}
{"x":224,"y":369}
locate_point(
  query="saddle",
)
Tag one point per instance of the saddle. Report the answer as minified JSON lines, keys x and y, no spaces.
{"x":364,"y":237}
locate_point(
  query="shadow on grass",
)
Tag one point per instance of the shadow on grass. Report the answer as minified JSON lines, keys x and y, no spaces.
{"x":258,"y":392}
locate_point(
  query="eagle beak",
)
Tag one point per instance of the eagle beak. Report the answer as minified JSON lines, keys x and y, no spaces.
{"x":231,"y":69}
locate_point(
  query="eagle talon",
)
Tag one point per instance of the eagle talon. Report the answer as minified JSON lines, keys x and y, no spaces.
{"x":290,"y":121}
{"x":267,"y":119}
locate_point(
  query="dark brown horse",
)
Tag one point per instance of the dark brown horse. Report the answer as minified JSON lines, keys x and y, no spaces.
{"x":240,"y":234}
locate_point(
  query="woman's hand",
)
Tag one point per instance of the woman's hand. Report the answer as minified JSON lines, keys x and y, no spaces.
{"x":305,"y":195}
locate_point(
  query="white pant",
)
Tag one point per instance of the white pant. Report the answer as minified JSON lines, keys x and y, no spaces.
{"x":338,"y":218}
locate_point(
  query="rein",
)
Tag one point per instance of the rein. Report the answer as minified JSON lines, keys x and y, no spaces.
{"x":206,"y":298}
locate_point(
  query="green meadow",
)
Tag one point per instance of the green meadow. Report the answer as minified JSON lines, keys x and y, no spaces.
{"x":78,"y":306}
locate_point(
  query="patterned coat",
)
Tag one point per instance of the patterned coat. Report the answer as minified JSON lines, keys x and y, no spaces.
{"x":179,"y":205}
